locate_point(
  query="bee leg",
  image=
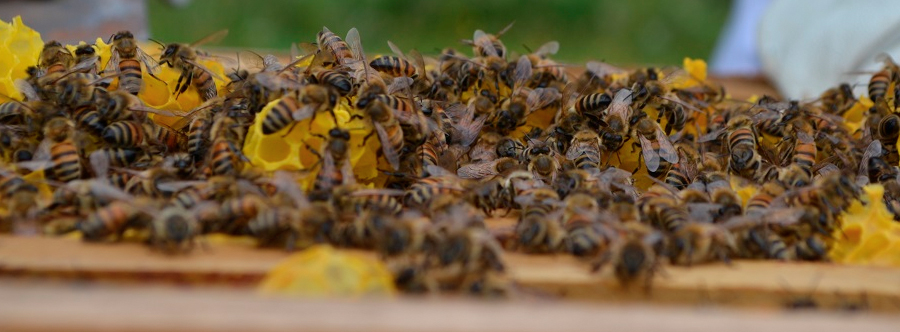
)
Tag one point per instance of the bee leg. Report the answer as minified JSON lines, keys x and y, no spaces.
{"x":157,"y":78}
{"x":179,"y":84}
{"x":603,"y":260}
{"x":366,"y":139}
{"x":313,"y":151}
{"x":294,"y":124}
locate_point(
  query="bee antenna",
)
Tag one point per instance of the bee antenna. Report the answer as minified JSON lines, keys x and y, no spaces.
{"x":110,"y":38}
{"x":161,"y":45}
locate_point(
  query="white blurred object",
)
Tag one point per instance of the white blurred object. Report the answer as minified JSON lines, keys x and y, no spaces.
{"x":735,"y":53}
{"x":808,"y":46}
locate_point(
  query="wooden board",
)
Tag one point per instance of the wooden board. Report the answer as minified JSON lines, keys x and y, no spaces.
{"x":59,"y":308}
{"x":743,"y":283}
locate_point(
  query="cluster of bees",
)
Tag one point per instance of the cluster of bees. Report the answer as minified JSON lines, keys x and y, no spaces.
{"x":628,"y":169}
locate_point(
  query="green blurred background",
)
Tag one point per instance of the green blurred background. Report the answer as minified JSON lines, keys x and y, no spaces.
{"x":623,"y":32}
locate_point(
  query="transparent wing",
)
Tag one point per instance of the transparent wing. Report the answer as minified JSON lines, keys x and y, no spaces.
{"x":396,"y":49}
{"x":651,"y":159}
{"x":523,"y":72}
{"x":399,"y":84}
{"x":549,"y":48}
{"x":204,"y":68}
{"x":873,"y":150}
{"x":392,"y":156}
{"x":483,"y":41}
{"x":151,"y":64}
{"x":26,"y":89}
{"x":113,"y":63}
{"x":211,"y":38}
{"x":666,"y":150}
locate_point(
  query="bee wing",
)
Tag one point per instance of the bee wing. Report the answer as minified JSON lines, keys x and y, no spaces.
{"x":113,"y":63}
{"x":712,"y":136}
{"x":392,"y":156}
{"x":478,"y":170}
{"x":873,"y":150}
{"x":435,"y":171}
{"x":419,"y":61}
{"x":304,"y":112}
{"x":286,"y":183}
{"x":399,"y":84}
{"x":204,"y":68}
{"x":100,"y":164}
{"x":297,"y":61}
{"x":210,"y":38}
{"x":26,"y":89}
{"x":396,"y":49}
{"x":143,"y":108}
{"x":35,"y":165}
{"x":197,"y":112}
{"x":42,"y":152}
{"x":703,"y":212}
{"x":523,"y":72}
{"x":549,"y":48}
{"x":271,"y":63}
{"x":106,"y":190}
{"x":468,"y":129}
{"x":651,"y":159}
{"x":275,"y":82}
{"x":828,"y":168}
{"x":151,"y":64}
{"x":85,"y":63}
{"x":621,"y":104}
{"x":355,"y":44}
{"x":603,"y":69}
{"x":481,"y":39}
{"x":666,"y":150}
{"x":542,"y":97}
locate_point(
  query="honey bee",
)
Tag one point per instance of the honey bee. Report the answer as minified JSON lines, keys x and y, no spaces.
{"x":126,"y":58}
{"x":742,"y":146}
{"x":338,"y":80}
{"x":86,"y":56}
{"x":541,"y":161}
{"x":174,"y":230}
{"x":336,"y":168}
{"x":397,"y":66}
{"x":54,"y":60}
{"x":337,"y":47}
{"x":878,"y":84}
{"x":701,"y":242}
{"x":633,"y":256}
{"x":584,"y":150}
{"x":224,"y":157}
{"x":183,"y":57}
{"x":440,"y":182}
{"x":509,"y":147}
{"x":235,"y":213}
{"x":113,"y":220}
{"x":466,"y":251}
{"x":616,"y":120}
{"x":485,"y":45}
{"x":683,"y":172}
{"x":388,"y":129}
{"x":661,"y":208}
{"x":125,"y":134}
{"x":655,"y":146}
{"x":888,"y":131}
{"x":538,"y":230}
{"x":291,"y":110}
